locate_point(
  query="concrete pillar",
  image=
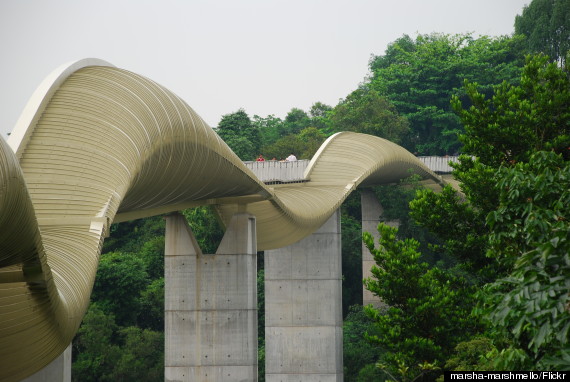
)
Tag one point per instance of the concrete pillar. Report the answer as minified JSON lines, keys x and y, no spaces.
{"x":59,"y":370}
{"x":211,"y":304}
{"x":371,"y":213}
{"x":303,"y":308}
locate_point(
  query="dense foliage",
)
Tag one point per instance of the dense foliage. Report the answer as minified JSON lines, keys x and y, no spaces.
{"x":420,"y":75}
{"x":509,"y":231}
{"x":366,"y":111}
{"x":428,"y":308}
{"x":122,"y":334}
{"x":237,"y":130}
{"x":531,"y":234}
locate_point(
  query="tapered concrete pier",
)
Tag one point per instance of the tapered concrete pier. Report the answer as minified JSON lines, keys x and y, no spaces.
{"x":211,"y":304}
{"x":303,"y":308}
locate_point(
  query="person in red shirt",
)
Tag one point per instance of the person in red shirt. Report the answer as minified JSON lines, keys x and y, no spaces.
{"x":260,"y":158}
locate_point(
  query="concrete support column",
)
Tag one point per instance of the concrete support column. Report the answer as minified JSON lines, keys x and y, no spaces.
{"x":59,"y":370}
{"x":303,"y":308}
{"x":211,"y":304}
{"x":371,"y":213}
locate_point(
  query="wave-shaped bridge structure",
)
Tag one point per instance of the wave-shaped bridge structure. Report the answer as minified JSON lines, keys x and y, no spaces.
{"x":98,"y":144}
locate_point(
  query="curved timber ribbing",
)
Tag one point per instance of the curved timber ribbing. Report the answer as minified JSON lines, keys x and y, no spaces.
{"x":99,"y":144}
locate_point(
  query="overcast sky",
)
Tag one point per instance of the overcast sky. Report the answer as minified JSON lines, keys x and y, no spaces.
{"x":265,"y":56}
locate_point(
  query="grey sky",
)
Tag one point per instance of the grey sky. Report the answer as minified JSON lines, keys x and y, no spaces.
{"x":265,"y":56}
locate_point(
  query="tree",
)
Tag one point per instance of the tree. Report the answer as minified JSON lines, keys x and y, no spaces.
{"x":130,"y":236}
{"x":142,"y":356}
{"x":428,"y":309}
{"x":319,"y":113}
{"x":312,"y":139}
{"x":515,"y":183}
{"x":94,"y":350}
{"x":129,"y":287}
{"x":270,"y":128}
{"x":357,"y":351}
{"x":515,"y":122}
{"x":105,"y":352}
{"x":475,"y":354}
{"x":151,"y":315}
{"x":312,"y":126}
{"x":459,"y":225}
{"x":365,"y":111}
{"x":319,"y":110}
{"x":284,"y":146}
{"x":296,"y":120}
{"x":237,"y":130}
{"x":241,"y":146}
{"x":304,"y":145}
{"x":518,"y":120}
{"x":206,"y":227}
{"x":395,"y":201}
{"x":546,"y":25}
{"x":530,"y":234}
{"x":121,"y":277}
{"x":420,"y":76}
{"x":152,"y":254}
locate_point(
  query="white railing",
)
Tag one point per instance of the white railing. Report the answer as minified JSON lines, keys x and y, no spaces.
{"x":439,"y":164}
{"x":271,"y":171}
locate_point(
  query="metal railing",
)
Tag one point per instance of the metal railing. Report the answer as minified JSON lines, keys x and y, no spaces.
{"x":439,"y":165}
{"x":271,"y":171}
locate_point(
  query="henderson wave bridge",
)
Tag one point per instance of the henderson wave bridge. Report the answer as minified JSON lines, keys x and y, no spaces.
{"x":98,"y":145}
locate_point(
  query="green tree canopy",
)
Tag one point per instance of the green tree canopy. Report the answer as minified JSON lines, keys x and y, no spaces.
{"x":152,"y":306}
{"x":206,"y":227}
{"x":237,"y":130}
{"x":121,"y":277}
{"x":420,"y":76}
{"x":319,"y":113}
{"x":152,"y":254}
{"x":94,"y":349}
{"x":357,"y":351}
{"x":546,"y":25}
{"x":105,"y":352}
{"x":516,"y":187}
{"x":142,"y":356}
{"x":365,"y":111}
{"x":531,"y":236}
{"x":428,"y":309}
{"x":296,"y":120}
{"x":518,"y":120}
{"x":506,"y":129}
{"x":131,"y":236}
{"x":304,"y":145}
{"x":270,"y":128}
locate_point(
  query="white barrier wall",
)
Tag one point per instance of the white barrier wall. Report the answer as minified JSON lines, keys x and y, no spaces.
{"x":276,"y":171}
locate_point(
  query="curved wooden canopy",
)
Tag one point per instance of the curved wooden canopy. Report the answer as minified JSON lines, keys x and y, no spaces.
{"x":98,"y":144}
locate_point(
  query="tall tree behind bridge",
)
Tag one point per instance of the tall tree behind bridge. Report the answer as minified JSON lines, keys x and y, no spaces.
{"x":546,"y":25}
{"x":366,"y":111}
{"x":237,"y":130}
{"x":420,"y":76}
